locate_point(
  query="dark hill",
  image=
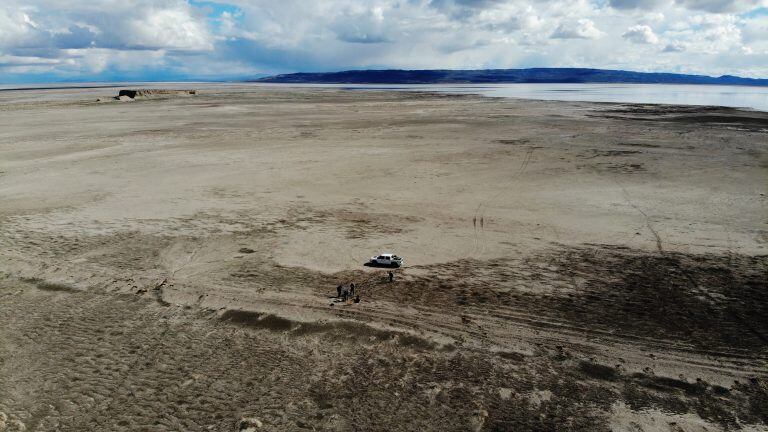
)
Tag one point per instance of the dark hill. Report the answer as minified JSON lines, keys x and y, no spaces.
{"x":535,"y":75}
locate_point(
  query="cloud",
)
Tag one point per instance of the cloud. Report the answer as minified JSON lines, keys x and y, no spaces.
{"x":159,"y":39}
{"x":167,"y":28}
{"x":17,"y":61}
{"x":755,"y":30}
{"x":641,"y":34}
{"x":721,"y":6}
{"x":635,"y":4}
{"x":712,"y":6}
{"x":17,"y":29}
{"x":361,"y":26}
{"x":462,"y":9}
{"x":581,"y":29}
{"x":145,"y":24}
{"x":75,"y":37}
{"x":674,"y":47}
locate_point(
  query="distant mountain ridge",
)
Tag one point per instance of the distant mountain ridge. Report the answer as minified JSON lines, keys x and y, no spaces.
{"x":504,"y":76}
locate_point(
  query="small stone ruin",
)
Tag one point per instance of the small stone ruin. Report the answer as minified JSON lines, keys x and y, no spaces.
{"x":128,"y":94}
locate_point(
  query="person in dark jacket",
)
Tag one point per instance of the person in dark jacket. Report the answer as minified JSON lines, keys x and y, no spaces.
{"x":391,"y":276}
{"x":338,"y":291}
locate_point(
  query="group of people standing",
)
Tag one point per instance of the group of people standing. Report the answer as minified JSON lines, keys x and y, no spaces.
{"x":345,"y":293}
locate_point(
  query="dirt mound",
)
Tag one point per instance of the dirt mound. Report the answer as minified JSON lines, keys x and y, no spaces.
{"x":334,"y":330}
{"x":10,"y":424}
{"x":248,"y":424}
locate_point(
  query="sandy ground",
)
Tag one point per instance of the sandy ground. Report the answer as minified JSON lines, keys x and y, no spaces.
{"x":170,"y":263}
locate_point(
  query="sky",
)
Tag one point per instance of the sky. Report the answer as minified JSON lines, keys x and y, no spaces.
{"x":162,"y":40}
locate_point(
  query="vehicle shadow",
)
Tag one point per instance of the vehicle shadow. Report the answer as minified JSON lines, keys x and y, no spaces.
{"x":377,"y":265}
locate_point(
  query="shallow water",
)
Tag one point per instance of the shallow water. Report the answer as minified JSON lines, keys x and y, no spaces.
{"x":673,"y":94}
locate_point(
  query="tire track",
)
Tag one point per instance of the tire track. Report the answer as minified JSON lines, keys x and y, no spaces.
{"x":494,"y":331}
{"x":645,"y":217}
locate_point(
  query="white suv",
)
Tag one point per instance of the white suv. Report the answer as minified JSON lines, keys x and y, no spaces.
{"x":387,"y":259}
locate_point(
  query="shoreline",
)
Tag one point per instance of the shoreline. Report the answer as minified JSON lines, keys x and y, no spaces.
{"x":404,"y":88}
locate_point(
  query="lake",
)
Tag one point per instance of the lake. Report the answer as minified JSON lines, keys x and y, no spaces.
{"x":729,"y":96}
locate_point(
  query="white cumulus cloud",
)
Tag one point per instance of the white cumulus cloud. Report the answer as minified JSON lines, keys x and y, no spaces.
{"x":169,"y":28}
{"x":641,"y":34}
{"x":581,"y":29}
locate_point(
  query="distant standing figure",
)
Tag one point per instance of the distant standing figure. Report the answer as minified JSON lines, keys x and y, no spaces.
{"x":391,"y":276}
{"x":352,"y":289}
{"x":338,"y":291}
{"x":344,"y":295}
